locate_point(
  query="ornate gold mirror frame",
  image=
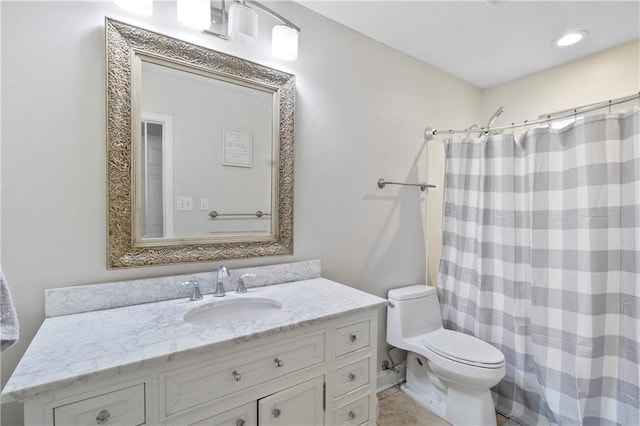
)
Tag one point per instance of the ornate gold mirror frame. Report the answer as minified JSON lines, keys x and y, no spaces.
{"x":123,"y":43}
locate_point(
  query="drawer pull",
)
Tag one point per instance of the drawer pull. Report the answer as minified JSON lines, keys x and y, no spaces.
{"x":352,"y":377}
{"x":236,"y":376}
{"x":279,"y":362}
{"x":353,"y":338}
{"x":103,"y":417}
{"x":351,"y":415}
{"x":276,"y":412}
{"x":240,"y":422}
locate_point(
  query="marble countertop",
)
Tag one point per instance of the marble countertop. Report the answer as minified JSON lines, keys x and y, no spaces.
{"x":73,"y":348}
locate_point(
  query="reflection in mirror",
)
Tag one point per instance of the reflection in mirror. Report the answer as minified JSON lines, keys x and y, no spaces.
{"x":200,"y":152}
{"x":220,"y":172}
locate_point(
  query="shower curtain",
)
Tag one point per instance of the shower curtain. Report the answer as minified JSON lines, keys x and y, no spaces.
{"x":541,"y":258}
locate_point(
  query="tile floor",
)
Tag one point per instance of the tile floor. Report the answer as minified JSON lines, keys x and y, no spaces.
{"x":395,"y":408}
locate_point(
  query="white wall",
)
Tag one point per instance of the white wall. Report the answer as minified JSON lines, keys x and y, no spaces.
{"x":607,"y":75}
{"x":360,"y":115}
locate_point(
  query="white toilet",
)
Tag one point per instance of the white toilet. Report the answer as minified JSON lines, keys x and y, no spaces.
{"x":448,"y":372}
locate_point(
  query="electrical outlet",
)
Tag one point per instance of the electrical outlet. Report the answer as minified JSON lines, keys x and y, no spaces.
{"x":204,"y":204}
{"x":184,"y":204}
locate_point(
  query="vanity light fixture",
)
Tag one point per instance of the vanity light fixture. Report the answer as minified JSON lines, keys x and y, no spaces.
{"x":236,"y":22}
{"x":240,"y":23}
{"x":570,"y":38}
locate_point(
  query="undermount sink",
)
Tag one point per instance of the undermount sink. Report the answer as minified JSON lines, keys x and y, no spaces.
{"x":233,"y":311}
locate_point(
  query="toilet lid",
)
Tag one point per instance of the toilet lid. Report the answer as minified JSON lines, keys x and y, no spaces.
{"x":411,"y":292}
{"x":463,"y":348}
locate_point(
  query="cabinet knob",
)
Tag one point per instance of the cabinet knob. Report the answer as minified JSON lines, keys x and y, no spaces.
{"x":279,"y":362}
{"x":352,"y":338}
{"x":351,"y":415}
{"x":236,"y":376}
{"x":276,"y":412}
{"x":103,"y":417}
{"x":240,"y":422}
{"x":352,"y":377}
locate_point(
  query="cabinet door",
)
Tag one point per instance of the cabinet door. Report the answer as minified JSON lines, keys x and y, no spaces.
{"x":300,"y":405}
{"x":244,"y":415}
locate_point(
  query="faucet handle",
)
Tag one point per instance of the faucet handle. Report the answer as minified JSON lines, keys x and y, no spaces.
{"x":196,"y":295}
{"x":241,"y":287}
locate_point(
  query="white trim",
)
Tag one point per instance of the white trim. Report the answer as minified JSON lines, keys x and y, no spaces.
{"x":387,"y":378}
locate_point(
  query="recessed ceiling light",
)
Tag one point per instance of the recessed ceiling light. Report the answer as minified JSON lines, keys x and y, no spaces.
{"x":570,"y":38}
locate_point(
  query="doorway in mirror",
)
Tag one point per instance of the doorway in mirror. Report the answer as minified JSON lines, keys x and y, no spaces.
{"x":157,"y":176}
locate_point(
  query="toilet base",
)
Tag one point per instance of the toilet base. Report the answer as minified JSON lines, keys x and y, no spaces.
{"x":457,"y":405}
{"x":423,"y":387}
{"x":430,"y":400}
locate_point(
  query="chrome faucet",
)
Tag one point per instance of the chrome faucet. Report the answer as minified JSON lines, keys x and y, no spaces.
{"x":220,"y":281}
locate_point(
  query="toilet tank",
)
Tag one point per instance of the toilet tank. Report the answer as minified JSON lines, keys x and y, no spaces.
{"x":415,"y":311}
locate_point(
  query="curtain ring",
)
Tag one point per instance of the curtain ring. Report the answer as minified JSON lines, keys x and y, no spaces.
{"x":468,"y":129}
{"x":609,"y":106}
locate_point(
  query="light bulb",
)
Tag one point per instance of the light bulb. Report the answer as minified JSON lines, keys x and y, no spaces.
{"x":141,"y":7}
{"x":194,"y":13}
{"x":284,"y":42}
{"x":243,"y":23}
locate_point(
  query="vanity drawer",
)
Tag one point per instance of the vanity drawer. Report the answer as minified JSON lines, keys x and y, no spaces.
{"x":211,"y":380}
{"x":121,"y":407}
{"x":353,"y":413}
{"x":350,"y":338}
{"x":351,"y":377}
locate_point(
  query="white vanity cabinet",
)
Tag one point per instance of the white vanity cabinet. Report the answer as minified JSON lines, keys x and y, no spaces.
{"x":315,"y":374}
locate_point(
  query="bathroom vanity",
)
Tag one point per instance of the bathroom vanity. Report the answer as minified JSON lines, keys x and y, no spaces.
{"x":309,"y":360}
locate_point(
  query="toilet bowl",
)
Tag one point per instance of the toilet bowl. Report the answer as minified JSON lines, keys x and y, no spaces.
{"x":448,"y":372}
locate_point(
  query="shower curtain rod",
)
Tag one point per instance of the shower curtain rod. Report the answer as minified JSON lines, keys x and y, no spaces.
{"x":430,"y":132}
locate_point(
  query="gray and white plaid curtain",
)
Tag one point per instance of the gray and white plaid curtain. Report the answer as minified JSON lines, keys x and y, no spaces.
{"x":541,"y":258}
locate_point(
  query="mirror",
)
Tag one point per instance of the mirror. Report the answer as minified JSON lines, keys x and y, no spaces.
{"x":217,"y":179}
{"x":200,"y":152}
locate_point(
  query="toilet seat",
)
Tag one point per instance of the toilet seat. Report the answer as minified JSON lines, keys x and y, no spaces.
{"x":463,"y":348}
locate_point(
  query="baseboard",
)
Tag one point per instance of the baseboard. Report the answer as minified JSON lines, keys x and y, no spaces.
{"x":388,"y":378}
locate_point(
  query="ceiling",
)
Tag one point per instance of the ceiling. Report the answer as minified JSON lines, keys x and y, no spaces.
{"x":488,"y":42}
